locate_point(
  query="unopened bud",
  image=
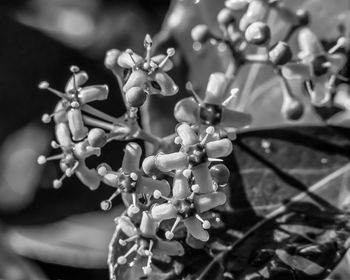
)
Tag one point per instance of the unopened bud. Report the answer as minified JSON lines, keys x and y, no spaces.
{"x":280,"y":54}
{"x":258,"y":33}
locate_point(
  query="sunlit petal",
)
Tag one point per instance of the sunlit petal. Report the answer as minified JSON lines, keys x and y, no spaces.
{"x":219,"y":148}
{"x":194,"y":227}
{"x":163,"y":212}
{"x":205,"y":202}
{"x":187,"y":110}
{"x":93,"y":93}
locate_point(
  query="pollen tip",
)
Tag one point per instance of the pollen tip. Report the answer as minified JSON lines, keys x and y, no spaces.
{"x":134,"y":176}
{"x":122,"y":242}
{"x":187,"y":173}
{"x":74,"y":69}
{"x":44,"y":85}
{"x":169,"y":235}
{"x":195,"y":188}
{"x":170,"y":52}
{"x":41,"y":160}
{"x":46,"y":118}
{"x":157,"y":194}
{"x":102,"y":171}
{"x":122,"y":260}
{"x":106,"y":205}
{"x":206,"y":225}
{"x":210,"y":130}
{"x":57,"y":184}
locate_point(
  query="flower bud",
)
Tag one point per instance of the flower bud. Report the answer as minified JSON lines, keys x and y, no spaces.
{"x":200,"y":33}
{"x":225,"y":17}
{"x":303,"y":17}
{"x":258,"y":33}
{"x":280,"y":54}
{"x":220,"y":174}
{"x":136,"y":97}
{"x":97,"y":137}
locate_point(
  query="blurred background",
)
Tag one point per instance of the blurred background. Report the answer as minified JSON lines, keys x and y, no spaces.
{"x":45,"y":233}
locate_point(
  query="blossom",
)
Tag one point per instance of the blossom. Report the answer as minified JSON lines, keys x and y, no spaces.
{"x":145,"y":242}
{"x":147,"y":73}
{"x":129,"y":181}
{"x":73,"y":99}
{"x":316,"y":66}
{"x":185,"y":205}
{"x":213,"y":109}
{"x":72,"y":158}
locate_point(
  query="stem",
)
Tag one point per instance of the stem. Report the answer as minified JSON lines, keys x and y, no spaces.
{"x":97,"y":123}
{"x":97,"y":113}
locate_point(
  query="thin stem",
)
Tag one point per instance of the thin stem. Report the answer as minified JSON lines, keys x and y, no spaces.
{"x":97,"y":113}
{"x":97,"y":123}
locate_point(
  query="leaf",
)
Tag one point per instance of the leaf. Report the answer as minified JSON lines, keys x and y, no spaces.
{"x":78,"y":241}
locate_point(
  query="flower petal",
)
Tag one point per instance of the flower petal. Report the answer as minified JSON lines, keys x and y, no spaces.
{"x":194,"y":227}
{"x":205,"y":202}
{"x":148,"y":185}
{"x":309,"y":43}
{"x":93,"y":93}
{"x":187,"y":134}
{"x":167,"y":85}
{"x":157,"y":59}
{"x":132,"y":156}
{"x":292,"y":71}
{"x":63,"y":135}
{"x":173,"y":161}
{"x":124,"y":60}
{"x":111,"y":179}
{"x":202,"y":178}
{"x":148,"y":226}
{"x":80,"y":79}
{"x":76,"y":124}
{"x":137,"y":78}
{"x":216,"y":89}
{"x":181,"y":189}
{"x":89,"y":177}
{"x":163,"y":212}
{"x":219,"y":148}
{"x":337,"y":61}
{"x":187,"y":110}
{"x":320,"y":95}
{"x":168,"y":248}
{"x":234,"y":119}
{"x":60,"y":112}
{"x":257,"y":11}
{"x":127,"y":226}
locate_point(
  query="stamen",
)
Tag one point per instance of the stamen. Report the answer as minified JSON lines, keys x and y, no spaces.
{"x":232,"y":95}
{"x":46,"y":85}
{"x":70,"y":171}
{"x":134,"y":176}
{"x":55,"y":145}
{"x":147,"y":269}
{"x":75,"y":69}
{"x":195,"y":188}
{"x":215,"y":160}
{"x":209,"y":131}
{"x":205,"y":223}
{"x":102,"y":170}
{"x":170,"y":52}
{"x":130,"y":52}
{"x":42,"y":159}
{"x":133,"y":208}
{"x":122,"y":259}
{"x":342,"y":42}
{"x":46,"y":118}
{"x":187,"y":173}
{"x":106,"y":205}
{"x":169,"y":234}
{"x":126,"y":241}
{"x":148,"y":45}
{"x":57,"y":183}
{"x":157,"y":195}
{"x":342,"y":78}
{"x":178,"y":140}
{"x":196,"y":96}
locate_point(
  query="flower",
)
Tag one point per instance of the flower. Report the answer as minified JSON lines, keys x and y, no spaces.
{"x":316,"y":66}
{"x":73,"y":100}
{"x":185,"y":205}
{"x":72,"y":158}
{"x":213,"y":110}
{"x":145,"y":241}
{"x":147,"y":73}
{"x":129,"y":181}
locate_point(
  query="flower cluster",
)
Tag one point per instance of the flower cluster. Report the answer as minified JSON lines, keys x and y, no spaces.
{"x":170,"y":193}
{"x":243,"y":24}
